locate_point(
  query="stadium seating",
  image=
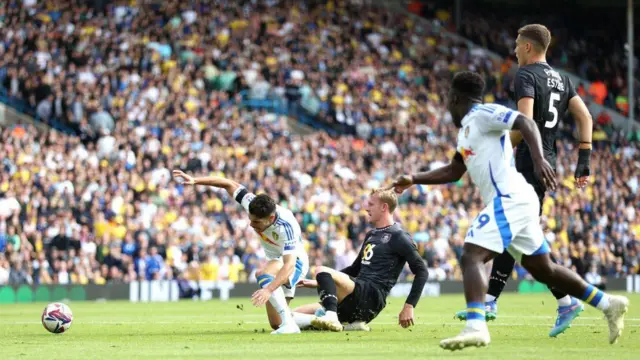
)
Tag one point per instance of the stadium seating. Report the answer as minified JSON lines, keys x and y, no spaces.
{"x":587,"y":42}
{"x":138,"y":91}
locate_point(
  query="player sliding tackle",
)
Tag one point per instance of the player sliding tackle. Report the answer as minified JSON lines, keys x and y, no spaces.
{"x":282,"y":243}
{"x":356,"y":294}
{"x":510,"y":217}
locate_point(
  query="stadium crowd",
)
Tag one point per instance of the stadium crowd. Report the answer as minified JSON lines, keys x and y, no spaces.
{"x":588,"y":43}
{"x":153,"y":88}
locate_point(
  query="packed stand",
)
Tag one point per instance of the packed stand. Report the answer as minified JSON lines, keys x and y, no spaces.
{"x":591,"y":44}
{"x":77,"y":210}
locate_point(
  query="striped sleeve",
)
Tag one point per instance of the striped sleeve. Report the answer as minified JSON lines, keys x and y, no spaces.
{"x":290,"y":231}
{"x":492,"y":117}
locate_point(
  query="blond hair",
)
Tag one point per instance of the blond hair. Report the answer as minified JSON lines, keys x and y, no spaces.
{"x":387,"y":196}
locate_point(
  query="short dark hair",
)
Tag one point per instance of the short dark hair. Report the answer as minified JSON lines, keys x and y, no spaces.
{"x":469,"y":84}
{"x":538,"y":34}
{"x":262,"y":206}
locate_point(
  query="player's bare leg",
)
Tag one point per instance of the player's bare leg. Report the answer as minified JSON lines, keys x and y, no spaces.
{"x":333,"y":286}
{"x":278,"y":311}
{"x":614,"y":307}
{"x":308,"y":309}
{"x":475,"y":280}
{"x":304,"y":315}
{"x":344,"y":284}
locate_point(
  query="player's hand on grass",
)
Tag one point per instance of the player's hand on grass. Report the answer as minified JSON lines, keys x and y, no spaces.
{"x":406,"y":316}
{"x":260,"y":297}
{"x":545,"y":173}
{"x":304,"y":283}
{"x":401,"y":183}
{"x":186,"y":179}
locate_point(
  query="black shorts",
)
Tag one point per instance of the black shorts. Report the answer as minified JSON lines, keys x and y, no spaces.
{"x":363,"y":304}
{"x":538,"y":186}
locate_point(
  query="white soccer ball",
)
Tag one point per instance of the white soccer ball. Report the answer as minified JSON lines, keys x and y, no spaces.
{"x":57,"y":318}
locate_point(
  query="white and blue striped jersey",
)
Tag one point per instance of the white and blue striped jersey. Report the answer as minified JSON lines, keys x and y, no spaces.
{"x":283,"y":237}
{"x":485,"y":146}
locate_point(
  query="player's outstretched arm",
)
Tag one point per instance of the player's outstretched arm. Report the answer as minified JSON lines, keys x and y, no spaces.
{"x":216,"y":181}
{"x":443,"y":175}
{"x":531,"y":136}
{"x":583,"y":118}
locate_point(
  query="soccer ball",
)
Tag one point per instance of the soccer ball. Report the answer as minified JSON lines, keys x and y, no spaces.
{"x":57,"y":318}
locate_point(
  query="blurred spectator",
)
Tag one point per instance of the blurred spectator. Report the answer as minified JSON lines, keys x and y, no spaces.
{"x":154,"y":265}
{"x":594,"y":278}
{"x":97,"y":204}
{"x":585,"y":42}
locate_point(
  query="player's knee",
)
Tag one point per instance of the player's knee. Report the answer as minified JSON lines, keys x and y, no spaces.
{"x":260,"y":273}
{"x":469,"y":259}
{"x":320,"y":269}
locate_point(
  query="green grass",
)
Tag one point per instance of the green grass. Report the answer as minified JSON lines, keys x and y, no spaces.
{"x":219,"y":330}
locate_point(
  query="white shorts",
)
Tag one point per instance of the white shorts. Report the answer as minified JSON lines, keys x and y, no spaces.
{"x":299,"y":272}
{"x":510,"y":223}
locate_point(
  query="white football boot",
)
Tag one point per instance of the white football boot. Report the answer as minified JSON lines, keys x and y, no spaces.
{"x":467,"y":338}
{"x":328,"y":321}
{"x":618,"y":306}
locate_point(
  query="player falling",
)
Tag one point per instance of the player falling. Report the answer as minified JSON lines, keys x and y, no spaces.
{"x":543,"y":95}
{"x":510,"y":217}
{"x":356,"y":294}
{"x":281,"y":236}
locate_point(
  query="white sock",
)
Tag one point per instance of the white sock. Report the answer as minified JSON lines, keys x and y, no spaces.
{"x":279,"y":302}
{"x":303,"y":320}
{"x":332,"y":314}
{"x":604,"y":302}
{"x":477,"y":324}
{"x":565,"y":301}
{"x":489,"y":298}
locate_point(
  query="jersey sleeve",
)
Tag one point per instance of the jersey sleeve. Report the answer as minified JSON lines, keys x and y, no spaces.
{"x":571,"y":90}
{"x":524,"y":85}
{"x":404,"y":246}
{"x":243,"y":197}
{"x":494,"y":117}
{"x":291,"y":231}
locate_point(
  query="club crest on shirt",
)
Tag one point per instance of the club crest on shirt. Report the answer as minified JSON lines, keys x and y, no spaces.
{"x":466,"y":153}
{"x":385,"y":238}
{"x":274,"y":235}
{"x":466,"y":132}
{"x":266,"y":239}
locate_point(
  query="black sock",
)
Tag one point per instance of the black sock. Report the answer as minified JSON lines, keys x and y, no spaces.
{"x":557,"y":294}
{"x":502,"y":268}
{"x":327,"y":291}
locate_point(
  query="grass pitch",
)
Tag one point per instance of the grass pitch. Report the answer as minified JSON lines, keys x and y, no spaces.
{"x":236,"y":330}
